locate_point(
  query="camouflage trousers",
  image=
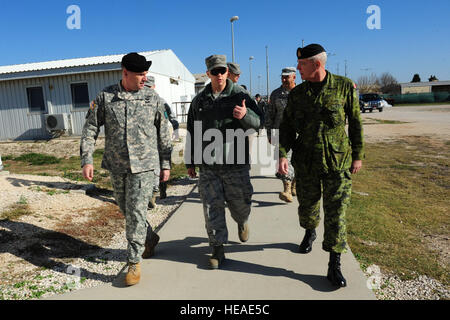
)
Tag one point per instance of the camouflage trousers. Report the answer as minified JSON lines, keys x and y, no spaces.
{"x":132,"y":192}
{"x":336,"y":189}
{"x":220,"y":187}
{"x":291,"y":173}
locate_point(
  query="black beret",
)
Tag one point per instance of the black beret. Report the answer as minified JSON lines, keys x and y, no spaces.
{"x":135,"y":62}
{"x":309,"y":51}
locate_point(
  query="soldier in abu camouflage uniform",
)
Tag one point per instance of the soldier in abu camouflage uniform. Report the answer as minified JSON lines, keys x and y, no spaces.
{"x":137,"y":141}
{"x":324,"y":156}
{"x":274,"y":115}
{"x":222,"y":107}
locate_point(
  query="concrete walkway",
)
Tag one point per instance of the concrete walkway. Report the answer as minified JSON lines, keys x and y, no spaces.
{"x":267,"y":267}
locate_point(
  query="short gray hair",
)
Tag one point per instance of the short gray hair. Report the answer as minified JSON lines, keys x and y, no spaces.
{"x":322,"y":57}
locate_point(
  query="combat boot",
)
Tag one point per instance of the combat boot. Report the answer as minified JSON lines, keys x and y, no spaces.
{"x":152,"y":202}
{"x":286,"y":195}
{"x":334,"y":270}
{"x":134,"y":274}
{"x":308,"y":239}
{"x":162,"y":190}
{"x":217,"y":257}
{"x":294,"y":188}
{"x":243,"y":231}
{"x":150,"y":245}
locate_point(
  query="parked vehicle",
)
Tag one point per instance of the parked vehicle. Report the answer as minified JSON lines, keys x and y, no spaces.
{"x":370,"y":102}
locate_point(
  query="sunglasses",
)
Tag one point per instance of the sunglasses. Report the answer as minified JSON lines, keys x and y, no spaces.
{"x":216,"y":71}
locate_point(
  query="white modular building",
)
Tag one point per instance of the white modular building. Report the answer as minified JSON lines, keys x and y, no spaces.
{"x":36,"y":98}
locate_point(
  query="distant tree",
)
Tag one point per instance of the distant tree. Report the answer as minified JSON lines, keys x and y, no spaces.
{"x":368,"y":84}
{"x":388,"y":84}
{"x":433,"y":78}
{"x":416,"y":78}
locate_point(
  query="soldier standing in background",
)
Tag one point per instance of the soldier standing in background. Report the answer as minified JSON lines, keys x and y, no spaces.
{"x":222,"y":106}
{"x":160,"y":186}
{"x":234,"y":71}
{"x":137,"y":142}
{"x":274,"y":114}
{"x":262,"y":105}
{"x":324,"y":156}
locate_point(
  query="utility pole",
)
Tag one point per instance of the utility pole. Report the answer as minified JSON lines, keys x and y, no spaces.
{"x":267,"y":74}
{"x":250,"y":65}
{"x":345,"y":67}
{"x":234,"y":18}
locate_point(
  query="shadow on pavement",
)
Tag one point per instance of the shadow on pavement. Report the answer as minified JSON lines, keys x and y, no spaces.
{"x":195,"y":250}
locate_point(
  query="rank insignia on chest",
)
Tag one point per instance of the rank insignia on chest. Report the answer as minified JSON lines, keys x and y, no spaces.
{"x":92,"y":105}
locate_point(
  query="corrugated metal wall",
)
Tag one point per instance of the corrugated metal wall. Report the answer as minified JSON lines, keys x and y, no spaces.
{"x":18,"y":123}
{"x":16,"y":120}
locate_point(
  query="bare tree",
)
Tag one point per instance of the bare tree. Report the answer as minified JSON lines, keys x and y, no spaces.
{"x":368,"y":84}
{"x":388,"y":84}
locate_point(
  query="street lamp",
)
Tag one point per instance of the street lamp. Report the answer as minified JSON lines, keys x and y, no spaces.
{"x":234,"y":18}
{"x":250,"y":64}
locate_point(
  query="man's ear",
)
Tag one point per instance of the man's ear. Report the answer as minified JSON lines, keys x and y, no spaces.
{"x":208,"y":74}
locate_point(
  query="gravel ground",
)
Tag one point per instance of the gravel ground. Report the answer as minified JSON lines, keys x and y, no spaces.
{"x":391,"y":287}
{"x":94,"y":269}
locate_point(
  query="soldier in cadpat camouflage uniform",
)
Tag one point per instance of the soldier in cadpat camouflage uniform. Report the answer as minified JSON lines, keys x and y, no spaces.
{"x":274,"y":115}
{"x":137,"y":141}
{"x":224,"y":180}
{"x":324,"y":156}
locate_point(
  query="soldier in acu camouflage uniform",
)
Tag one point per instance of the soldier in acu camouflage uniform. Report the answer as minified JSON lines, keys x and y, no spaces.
{"x":324,"y":156}
{"x":137,"y":142}
{"x":274,"y":115}
{"x":222,"y":106}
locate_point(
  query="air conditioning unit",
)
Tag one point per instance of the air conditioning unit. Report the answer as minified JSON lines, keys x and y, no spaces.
{"x":54,"y":122}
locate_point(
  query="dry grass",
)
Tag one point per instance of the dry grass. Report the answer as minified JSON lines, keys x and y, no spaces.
{"x":408,"y":183}
{"x":98,"y":228}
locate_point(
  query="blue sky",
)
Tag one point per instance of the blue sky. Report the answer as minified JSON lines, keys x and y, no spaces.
{"x":414,"y":35}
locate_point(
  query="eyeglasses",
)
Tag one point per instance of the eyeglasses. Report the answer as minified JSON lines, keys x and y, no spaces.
{"x":216,"y":71}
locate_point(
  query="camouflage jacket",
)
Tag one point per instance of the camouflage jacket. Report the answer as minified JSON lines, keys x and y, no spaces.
{"x":319,"y":120}
{"x":137,"y":136}
{"x":218,"y":114}
{"x":274,"y":109}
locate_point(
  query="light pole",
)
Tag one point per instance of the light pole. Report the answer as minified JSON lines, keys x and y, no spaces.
{"x":267,"y":73}
{"x":234,"y":18}
{"x":250,"y":64}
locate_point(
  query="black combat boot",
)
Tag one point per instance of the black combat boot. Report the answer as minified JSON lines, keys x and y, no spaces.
{"x":334,"y":270}
{"x":162,"y":190}
{"x":308,"y":239}
{"x":217,"y":257}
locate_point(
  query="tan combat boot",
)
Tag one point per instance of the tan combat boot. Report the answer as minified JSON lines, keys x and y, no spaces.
{"x":286,"y":195}
{"x":152,"y":202}
{"x":217,"y":257}
{"x":243,"y":231}
{"x":294,"y":188}
{"x":134,"y":274}
{"x":150,"y":245}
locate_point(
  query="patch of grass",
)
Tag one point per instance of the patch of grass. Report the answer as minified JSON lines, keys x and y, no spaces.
{"x":381,"y":121}
{"x":15,"y":211}
{"x":98,"y":229}
{"x":422,"y":104}
{"x":37,"y":159}
{"x":405,"y":203}
{"x":178,"y":171}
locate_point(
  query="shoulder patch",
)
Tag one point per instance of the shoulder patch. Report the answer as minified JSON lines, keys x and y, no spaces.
{"x":92,"y":105}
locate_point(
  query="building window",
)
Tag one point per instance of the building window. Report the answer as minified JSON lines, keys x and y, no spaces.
{"x":36,"y":99}
{"x":80,"y":95}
